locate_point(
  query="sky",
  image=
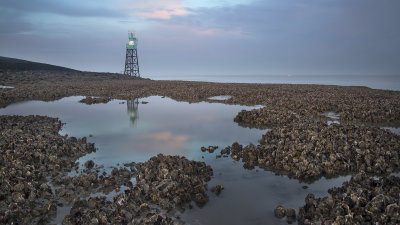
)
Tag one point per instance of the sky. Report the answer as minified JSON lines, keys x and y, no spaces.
{"x":207,"y":37}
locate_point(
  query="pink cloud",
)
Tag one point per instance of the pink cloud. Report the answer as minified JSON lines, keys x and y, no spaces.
{"x":162,"y":142}
{"x":163,"y":14}
{"x":159,"y":9}
{"x":166,"y":136}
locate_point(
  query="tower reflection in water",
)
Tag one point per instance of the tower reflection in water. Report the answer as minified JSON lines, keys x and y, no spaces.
{"x":133,"y":111}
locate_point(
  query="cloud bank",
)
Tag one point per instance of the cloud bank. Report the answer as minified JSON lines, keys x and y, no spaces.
{"x":193,"y":37}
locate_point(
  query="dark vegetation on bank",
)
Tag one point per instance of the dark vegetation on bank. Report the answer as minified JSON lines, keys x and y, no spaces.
{"x":18,"y":72}
{"x":300,"y":144}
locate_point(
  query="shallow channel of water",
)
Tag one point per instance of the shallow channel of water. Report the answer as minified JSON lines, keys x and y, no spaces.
{"x":130,"y":131}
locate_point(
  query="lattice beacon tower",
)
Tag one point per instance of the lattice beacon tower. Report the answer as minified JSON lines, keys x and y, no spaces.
{"x":131,"y":61}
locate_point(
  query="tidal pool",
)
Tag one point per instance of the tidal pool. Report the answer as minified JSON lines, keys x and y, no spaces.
{"x":2,"y":86}
{"x":334,"y":117}
{"x":220,"y":97}
{"x":131,"y":131}
{"x":395,"y":130}
{"x":126,"y":131}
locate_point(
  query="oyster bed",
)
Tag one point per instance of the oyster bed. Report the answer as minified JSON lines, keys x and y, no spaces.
{"x":362,"y":200}
{"x":311,"y":150}
{"x":359,"y":104}
{"x":163,"y":182}
{"x":35,"y":161}
{"x":90,"y":100}
{"x":300,"y":144}
{"x":31,"y":151}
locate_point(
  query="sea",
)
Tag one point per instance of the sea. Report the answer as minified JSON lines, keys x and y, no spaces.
{"x":386,"y":82}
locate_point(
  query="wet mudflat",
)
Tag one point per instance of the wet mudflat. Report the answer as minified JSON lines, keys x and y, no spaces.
{"x":133,"y":131}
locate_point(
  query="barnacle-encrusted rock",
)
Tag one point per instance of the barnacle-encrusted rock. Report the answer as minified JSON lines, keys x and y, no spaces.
{"x":267,"y":117}
{"x":362,"y":200}
{"x":173,"y":177}
{"x":314,"y":149}
{"x":89,"y":164}
{"x":166,"y":182}
{"x":94,"y":100}
{"x":30,"y":151}
{"x":280,"y":211}
{"x":290,"y":212}
{"x":210,"y":149}
{"x":217,"y":189}
{"x":68,"y":188}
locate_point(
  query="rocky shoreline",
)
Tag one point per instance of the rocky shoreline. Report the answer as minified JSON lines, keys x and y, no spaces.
{"x":31,"y":152}
{"x":309,"y":151}
{"x":362,"y":200}
{"x":358,"y":104}
{"x":301,"y":144}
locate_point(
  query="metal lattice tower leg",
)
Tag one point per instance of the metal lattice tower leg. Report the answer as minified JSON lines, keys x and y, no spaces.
{"x":132,"y":63}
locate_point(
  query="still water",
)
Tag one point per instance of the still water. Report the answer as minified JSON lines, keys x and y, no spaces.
{"x":133,"y":131}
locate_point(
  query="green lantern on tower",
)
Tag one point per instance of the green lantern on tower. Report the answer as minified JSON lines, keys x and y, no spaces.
{"x":132,"y":41}
{"x":132,"y":61}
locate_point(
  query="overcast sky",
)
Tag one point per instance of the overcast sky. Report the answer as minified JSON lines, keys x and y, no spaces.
{"x":207,"y":37}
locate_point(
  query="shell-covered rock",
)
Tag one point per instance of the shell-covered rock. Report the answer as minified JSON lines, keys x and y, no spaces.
{"x":166,"y":182}
{"x":362,"y":200}
{"x":310,"y":150}
{"x":30,"y":151}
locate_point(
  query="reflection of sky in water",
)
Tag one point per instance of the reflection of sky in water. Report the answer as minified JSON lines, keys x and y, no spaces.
{"x":395,"y":130}
{"x":220,"y":97}
{"x":250,"y":196}
{"x":2,"y":86}
{"x":332,"y":115}
{"x":134,"y":132}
